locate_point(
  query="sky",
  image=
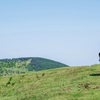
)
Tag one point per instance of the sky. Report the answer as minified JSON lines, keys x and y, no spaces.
{"x":67,"y":31}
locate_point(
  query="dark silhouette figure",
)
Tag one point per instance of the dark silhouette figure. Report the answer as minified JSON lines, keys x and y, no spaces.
{"x":99,"y":56}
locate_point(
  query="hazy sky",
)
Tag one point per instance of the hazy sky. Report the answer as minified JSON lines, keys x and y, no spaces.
{"x":67,"y":31}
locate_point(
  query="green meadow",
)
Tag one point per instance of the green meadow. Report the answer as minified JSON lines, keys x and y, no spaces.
{"x":68,"y":83}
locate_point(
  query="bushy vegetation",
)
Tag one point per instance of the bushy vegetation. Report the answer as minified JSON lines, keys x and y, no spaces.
{"x":78,"y":83}
{"x":44,"y":64}
{"x":24,"y":65}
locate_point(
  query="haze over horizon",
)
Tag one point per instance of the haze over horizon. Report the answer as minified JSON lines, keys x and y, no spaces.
{"x":67,"y":31}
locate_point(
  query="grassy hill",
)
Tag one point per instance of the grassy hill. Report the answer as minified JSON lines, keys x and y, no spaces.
{"x":77,"y":83}
{"x":24,"y":65}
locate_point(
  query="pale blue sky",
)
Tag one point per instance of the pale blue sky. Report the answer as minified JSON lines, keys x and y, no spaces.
{"x":67,"y":31}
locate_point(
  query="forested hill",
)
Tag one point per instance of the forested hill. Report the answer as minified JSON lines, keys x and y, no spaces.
{"x":23,"y":65}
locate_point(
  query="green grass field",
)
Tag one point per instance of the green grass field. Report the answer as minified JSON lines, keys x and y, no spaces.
{"x":74,"y":83}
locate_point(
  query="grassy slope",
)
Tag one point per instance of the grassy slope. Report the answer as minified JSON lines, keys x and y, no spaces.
{"x":79,"y":83}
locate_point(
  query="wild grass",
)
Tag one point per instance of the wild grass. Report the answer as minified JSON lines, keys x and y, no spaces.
{"x":78,"y":83}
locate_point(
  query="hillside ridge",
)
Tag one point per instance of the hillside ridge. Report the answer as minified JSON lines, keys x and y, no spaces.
{"x":27,"y":64}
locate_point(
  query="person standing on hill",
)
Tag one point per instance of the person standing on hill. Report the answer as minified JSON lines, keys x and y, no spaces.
{"x":99,"y":56}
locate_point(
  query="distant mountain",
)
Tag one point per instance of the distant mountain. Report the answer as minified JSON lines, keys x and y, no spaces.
{"x":24,"y":65}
